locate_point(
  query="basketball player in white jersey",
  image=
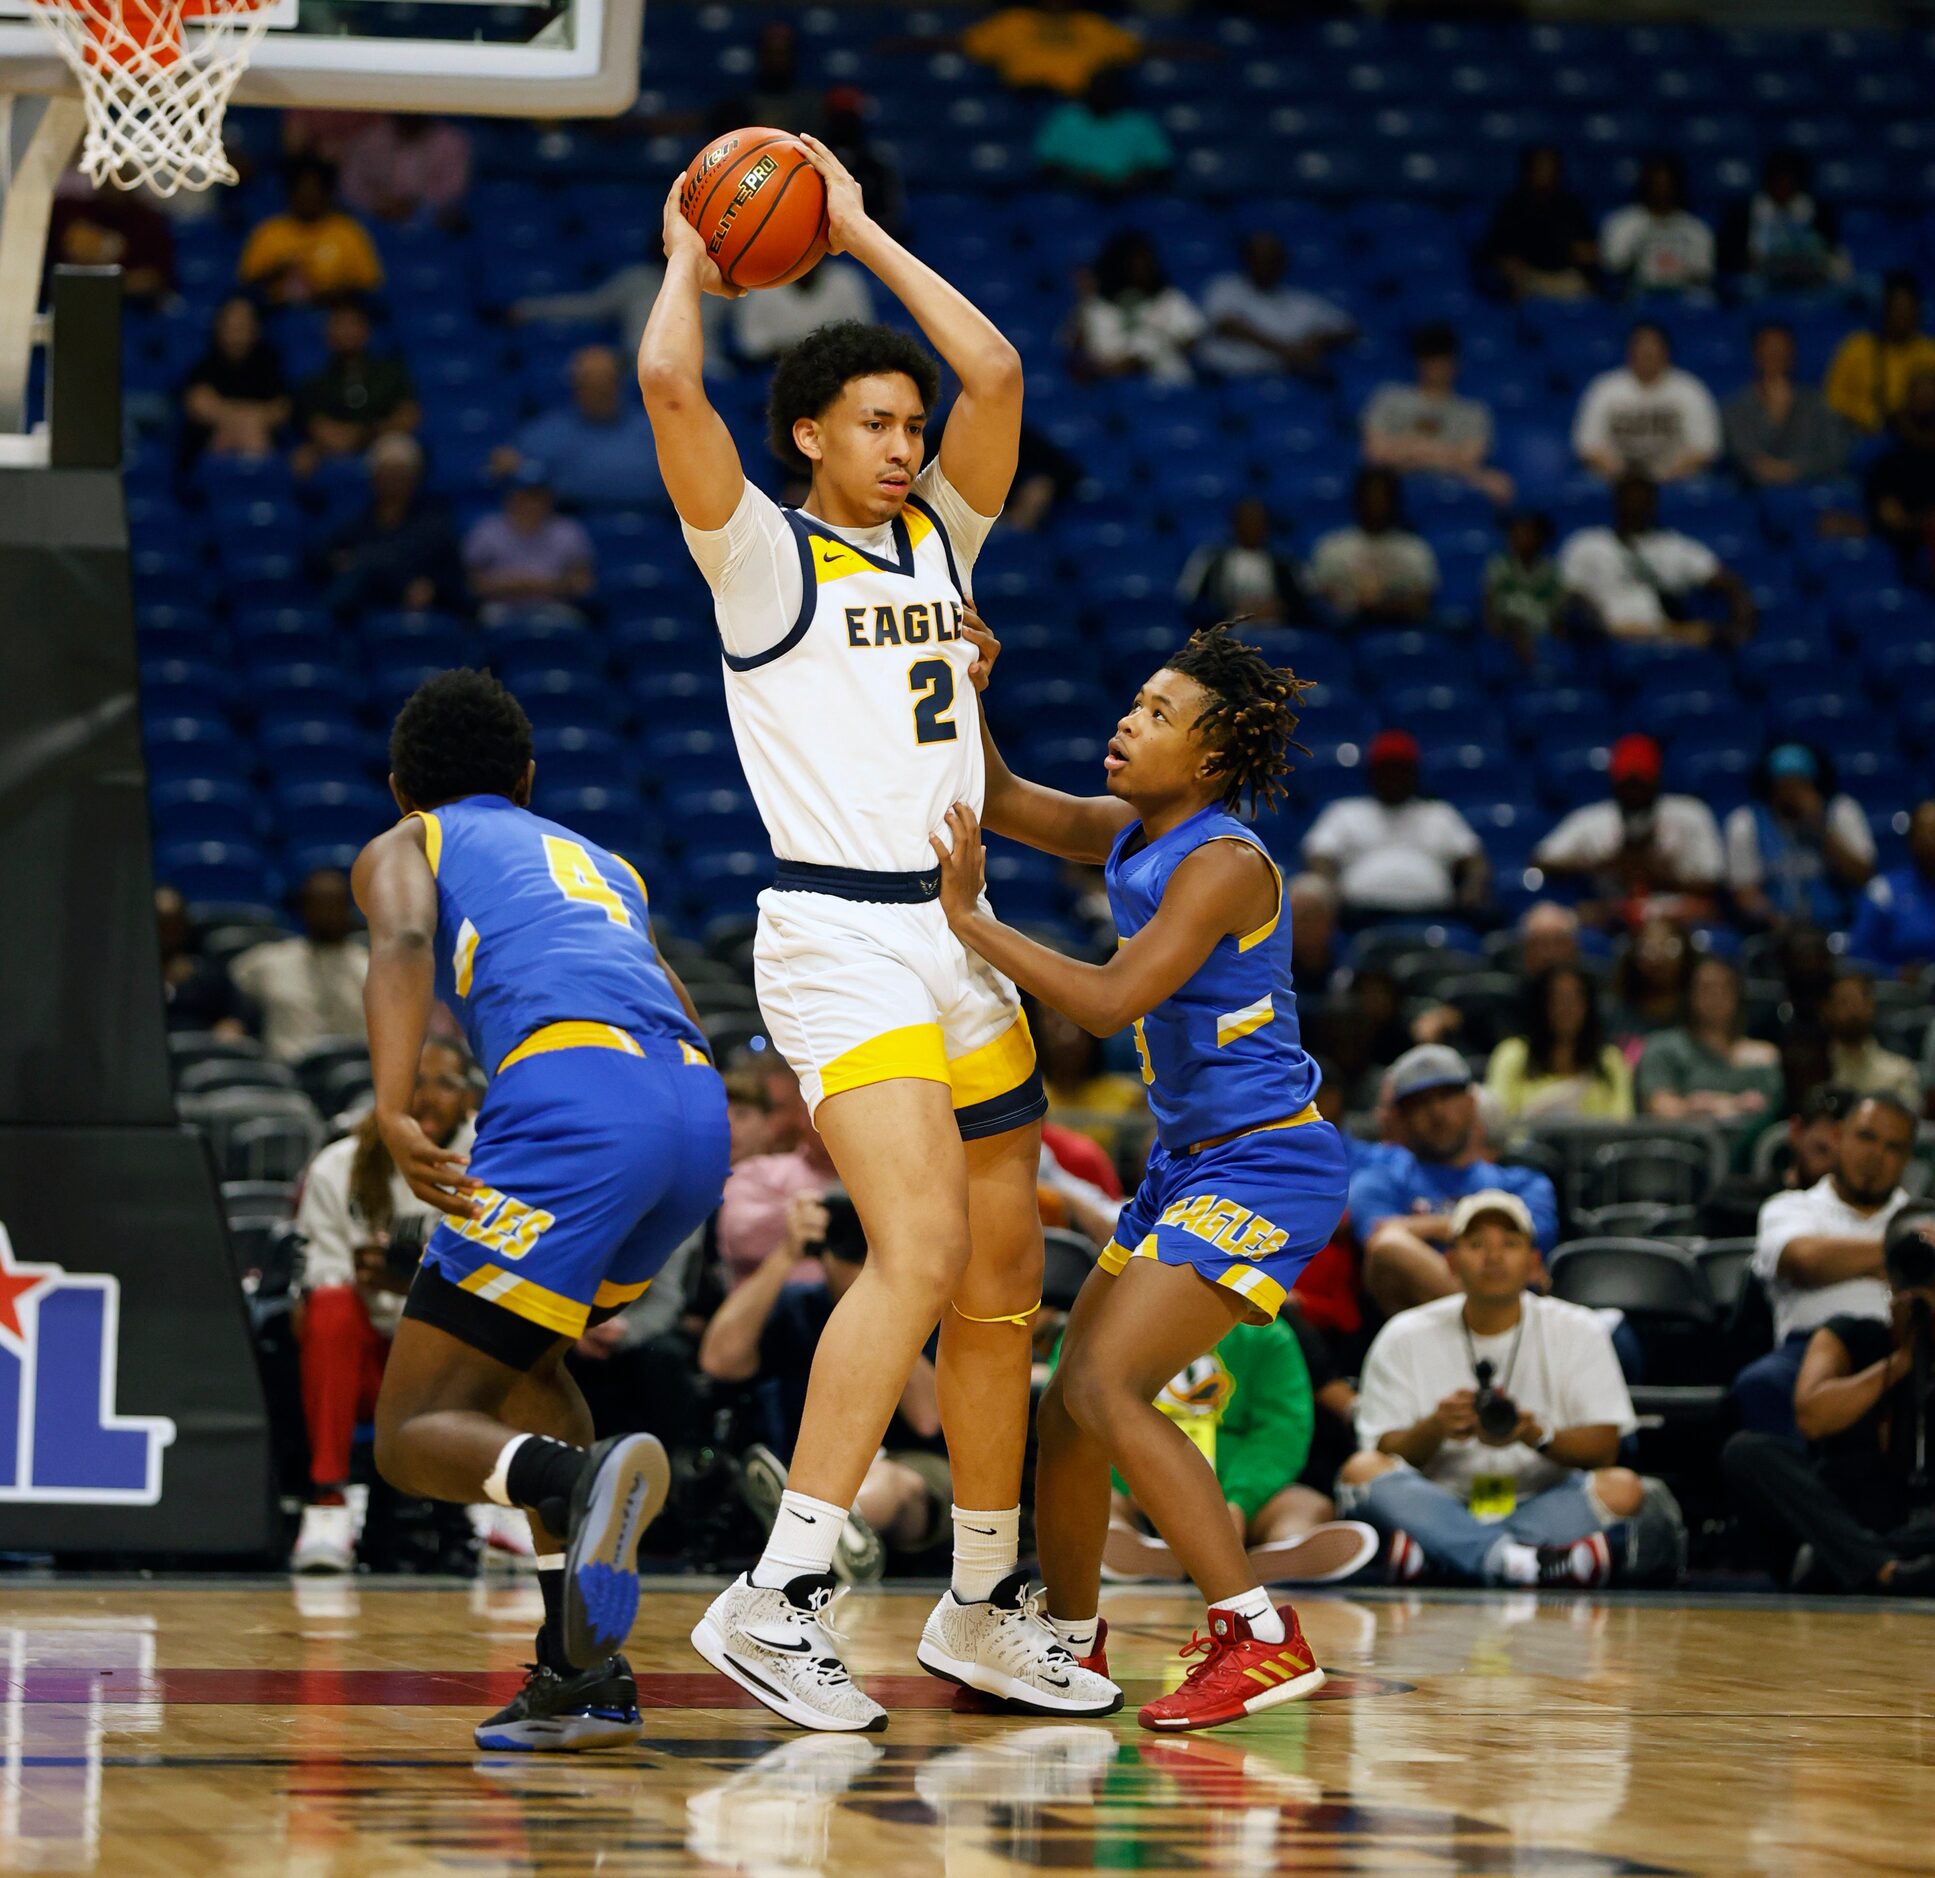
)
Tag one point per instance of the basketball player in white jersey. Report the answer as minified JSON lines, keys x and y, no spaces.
{"x":847,"y":680}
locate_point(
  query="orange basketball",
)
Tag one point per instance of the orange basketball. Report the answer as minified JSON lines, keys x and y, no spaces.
{"x":756,"y":198}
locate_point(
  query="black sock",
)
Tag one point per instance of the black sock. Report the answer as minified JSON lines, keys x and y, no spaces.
{"x":550,"y":1639}
{"x":542,"y":1476}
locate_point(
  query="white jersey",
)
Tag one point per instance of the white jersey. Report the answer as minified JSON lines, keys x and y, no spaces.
{"x":846,"y":673}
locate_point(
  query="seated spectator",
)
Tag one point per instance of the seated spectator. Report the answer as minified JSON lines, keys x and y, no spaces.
{"x":598,"y":449}
{"x":1315,"y":957}
{"x":312,"y":251}
{"x":1260,"y":325}
{"x":1901,"y":482}
{"x":1637,"y":846}
{"x":1129,"y":320}
{"x":1084,"y":1094}
{"x":1656,"y":244}
{"x":1053,"y":46}
{"x":1782,"y":238}
{"x":1649,"y":982}
{"x":1818,"y":1252}
{"x":235,"y":398}
{"x":1708,"y":1066}
{"x":1779,"y":432}
{"x":309,"y":987}
{"x":404,"y":165}
{"x":1856,"y":1512}
{"x":1402,"y":1191}
{"x":351,"y":1292}
{"x":1394,"y":850}
{"x":358,"y":396}
{"x":1540,"y":243}
{"x":625,"y":299}
{"x":766,"y":324}
{"x":1868,"y":378}
{"x":1894,"y":924}
{"x":1813,"y":1131}
{"x":1647,"y":416}
{"x":845,"y":134}
{"x":1560,"y":1067}
{"x":1801,"y":850}
{"x":110,"y":227}
{"x":753,"y":1211}
{"x":1538,"y":1501}
{"x":1103,"y":142}
{"x":1548,"y":935}
{"x":1046,"y":475}
{"x":400,"y":554}
{"x":1524,"y":596}
{"x":1244,"y":577}
{"x":527,"y":561}
{"x":195,"y":989}
{"x":1856,"y":1060}
{"x":1378,"y":571}
{"x":1427,"y":428}
{"x":1635,"y":579}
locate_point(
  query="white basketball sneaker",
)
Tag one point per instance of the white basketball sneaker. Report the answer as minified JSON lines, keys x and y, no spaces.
{"x":327,"y":1541}
{"x":777,"y":1646}
{"x":1005,"y":1648}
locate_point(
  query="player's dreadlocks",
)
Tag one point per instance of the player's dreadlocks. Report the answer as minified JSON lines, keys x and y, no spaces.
{"x":461,"y":734}
{"x":1252,"y":720}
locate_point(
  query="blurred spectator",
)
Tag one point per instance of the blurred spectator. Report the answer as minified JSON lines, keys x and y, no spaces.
{"x":1635,"y":578}
{"x":1045,"y":474}
{"x":625,"y":299}
{"x":1083,"y":1093}
{"x":753,"y":1215}
{"x":1258,"y":324}
{"x":1314,"y":953}
{"x":1054,"y":45}
{"x":1394,"y":850}
{"x":1378,"y":571}
{"x":358,"y":396}
{"x":778,"y":95}
{"x":1801,"y":850}
{"x":1901,"y":482}
{"x":1402,"y":1191}
{"x":1779,"y":432}
{"x":1524,"y":596}
{"x":1636,"y":844}
{"x":1782,"y":238}
{"x":598,"y":449}
{"x":309,"y":987}
{"x":1427,"y":427}
{"x":401,"y":552}
{"x":766,"y":324}
{"x":1548,"y":935}
{"x":1102,"y":141}
{"x":109,"y":227}
{"x":404,"y":165}
{"x":1649,"y":981}
{"x":1540,"y":241}
{"x":195,"y":989}
{"x":749,"y":1113}
{"x":1805,"y":964}
{"x":312,"y":251}
{"x":235,"y":398}
{"x":845,"y":134}
{"x":1708,"y":1066}
{"x":1560,"y":1066}
{"x":526,"y":560}
{"x":1894,"y":925}
{"x":1813,"y":1131}
{"x":1129,"y":319}
{"x":1244,"y":576}
{"x":1647,"y":415}
{"x":1856,"y":1059}
{"x":1867,"y":382}
{"x":1656,"y":244}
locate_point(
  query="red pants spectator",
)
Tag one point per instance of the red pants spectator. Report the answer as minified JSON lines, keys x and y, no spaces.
{"x":342,"y":1368}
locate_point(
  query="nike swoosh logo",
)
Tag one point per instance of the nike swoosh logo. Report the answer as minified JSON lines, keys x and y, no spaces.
{"x":827,"y":560}
{"x":986,"y":1532}
{"x":1056,"y":1682}
{"x":807,"y":1519}
{"x":789,"y":1649}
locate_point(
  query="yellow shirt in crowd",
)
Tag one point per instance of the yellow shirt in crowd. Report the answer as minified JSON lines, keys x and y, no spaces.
{"x":1062,"y":51}
{"x":1607,"y":1097}
{"x":333,"y":255}
{"x":1868,"y":380}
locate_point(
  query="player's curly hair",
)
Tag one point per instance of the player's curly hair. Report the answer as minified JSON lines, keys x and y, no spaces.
{"x":809,"y":376}
{"x":1252,"y":720}
{"x":460,"y":734}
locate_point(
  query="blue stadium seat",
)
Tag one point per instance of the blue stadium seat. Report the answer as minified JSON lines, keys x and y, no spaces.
{"x":215,"y":870}
{"x":333,"y":811}
{"x":319,"y":750}
{"x":611,"y":818}
{"x":204,"y":808}
{"x":692,"y":756}
{"x":577,"y":756}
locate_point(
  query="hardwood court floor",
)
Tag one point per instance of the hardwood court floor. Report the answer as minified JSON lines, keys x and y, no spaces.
{"x":196,"y":1727}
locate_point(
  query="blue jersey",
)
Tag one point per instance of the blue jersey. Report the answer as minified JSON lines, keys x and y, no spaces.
{"x":1223,"y":1052}
{"x":536,"y":926}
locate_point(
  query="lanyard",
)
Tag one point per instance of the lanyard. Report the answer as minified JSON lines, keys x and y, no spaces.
{"x":1511,"y":1360}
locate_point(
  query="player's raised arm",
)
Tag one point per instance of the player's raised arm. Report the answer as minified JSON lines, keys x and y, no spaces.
{"x":696,"y":454}
{"x":983,"y":440}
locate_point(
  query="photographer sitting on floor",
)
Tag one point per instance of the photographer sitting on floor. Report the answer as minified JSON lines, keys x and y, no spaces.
{"x":1489,"y":1425}
{"x":1862,"y":1503}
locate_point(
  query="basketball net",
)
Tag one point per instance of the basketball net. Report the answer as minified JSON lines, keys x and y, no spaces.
{"x":155,"y":101}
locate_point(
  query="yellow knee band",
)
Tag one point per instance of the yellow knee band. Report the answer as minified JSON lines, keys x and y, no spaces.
{"x":1023,"y":1318}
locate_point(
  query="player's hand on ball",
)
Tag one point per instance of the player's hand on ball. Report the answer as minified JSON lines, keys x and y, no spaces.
{"x":436,"y":1175}
{"x":964,"y":866}
{"x":846,"y":212}
{"x":987,"y":648}
{"x":681,"y":237}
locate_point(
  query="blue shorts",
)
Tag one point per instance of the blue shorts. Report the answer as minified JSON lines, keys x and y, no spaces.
{"x":1249,"y":1213}
{"x":600,"y":1153}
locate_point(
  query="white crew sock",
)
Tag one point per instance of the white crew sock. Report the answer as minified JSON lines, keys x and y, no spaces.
{"x":497,"y":1481}
{"x":1077,"y":1634}
{"x":986,"y":1546}
{"x":802,"y":1542}
{"x":1514,"y":1564}
{"x":1255,"y":1608}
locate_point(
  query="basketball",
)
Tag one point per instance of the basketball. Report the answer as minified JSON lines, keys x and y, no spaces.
{"x":759,"y":203}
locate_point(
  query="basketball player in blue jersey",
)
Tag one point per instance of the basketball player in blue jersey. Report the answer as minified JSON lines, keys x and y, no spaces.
{"x":600,"y":1146}
{"x":1246,"y":1182}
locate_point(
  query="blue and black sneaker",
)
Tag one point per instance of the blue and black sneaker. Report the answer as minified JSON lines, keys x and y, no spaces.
{"x":566,"y":1711}
{"x":619,"y":1493}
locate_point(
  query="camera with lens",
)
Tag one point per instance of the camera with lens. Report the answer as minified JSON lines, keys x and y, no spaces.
{"x":404,"y":1253}
{"x":1497,"y":1412}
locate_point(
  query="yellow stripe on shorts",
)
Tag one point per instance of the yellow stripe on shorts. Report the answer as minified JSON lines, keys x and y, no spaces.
{"x":995,"y":1068}
{"x":915,"y":1050}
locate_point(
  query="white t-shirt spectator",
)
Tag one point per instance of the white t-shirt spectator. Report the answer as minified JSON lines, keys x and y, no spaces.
{"x":1563,"y":1373}
{"x":1153,"y":335}
{"x":1648,"y":427}
{"x":1662,"y":253}
{"x":1819,"y":1212}
{"x":1847,"y":822}
{"x":765,"y":324}
{"x":1396,"y":859}
{"x":1684,"y":832}
{"x":1625,"y":580}
{"x":1287,"y":314}
{"x":304,"y":991}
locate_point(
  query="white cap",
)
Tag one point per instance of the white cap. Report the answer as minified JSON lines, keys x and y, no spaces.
{"x":1474,"y":1206}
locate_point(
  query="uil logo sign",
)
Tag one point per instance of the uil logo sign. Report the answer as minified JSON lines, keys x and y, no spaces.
{"x":60,"y":1438}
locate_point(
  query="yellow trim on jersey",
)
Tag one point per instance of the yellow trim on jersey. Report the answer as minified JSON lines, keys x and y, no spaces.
{"x":610,"y":1294}
{"x":834,"y":560}
{"x":572,"y":1036}
{"x":1246,"y":940}
{"x":1254,"y":1287}
{"x":1234,"y":1025}
{"x":1115,"y":1255}
{"x":995,"y":1068}
{"x":464,"y":960}
{"x":916,"y":1050}
{"x":1303,"y":1117}
{"x":637,"y":877}
{"x":919,"y":527}
{"x":432,"y":835}
{"x":525,"y":1299}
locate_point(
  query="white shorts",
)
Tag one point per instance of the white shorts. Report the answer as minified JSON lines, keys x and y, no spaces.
{"x":856,"y":992}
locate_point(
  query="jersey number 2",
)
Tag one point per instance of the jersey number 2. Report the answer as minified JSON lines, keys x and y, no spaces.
{"x":578,"y":878}
{"x":932,"y":682}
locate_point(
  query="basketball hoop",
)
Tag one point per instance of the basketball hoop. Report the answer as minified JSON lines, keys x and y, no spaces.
{"x":154,"y":96}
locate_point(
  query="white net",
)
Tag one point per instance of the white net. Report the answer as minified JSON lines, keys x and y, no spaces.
{"x":156,"y":77}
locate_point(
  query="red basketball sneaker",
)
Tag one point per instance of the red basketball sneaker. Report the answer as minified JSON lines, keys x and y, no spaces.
{"x":972,"y":1702}
{"x":1239,"y":1675}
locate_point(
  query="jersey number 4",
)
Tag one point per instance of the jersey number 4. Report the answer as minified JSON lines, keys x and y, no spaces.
{"x":932,"y":683}
{"x":578,"y":878}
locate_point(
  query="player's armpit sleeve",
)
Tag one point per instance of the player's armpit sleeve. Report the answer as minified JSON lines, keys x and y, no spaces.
{"x":967,"y":528}
{"x":752,"y":566}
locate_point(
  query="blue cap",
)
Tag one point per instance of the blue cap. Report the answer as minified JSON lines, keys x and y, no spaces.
{"x":1793,"y":759}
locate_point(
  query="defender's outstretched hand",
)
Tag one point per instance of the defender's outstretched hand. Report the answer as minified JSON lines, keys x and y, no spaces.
{"x":987,"y":648}
{"x":964,"y":866}
{"x":679,"y":235}
{"x":846,"y":211}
